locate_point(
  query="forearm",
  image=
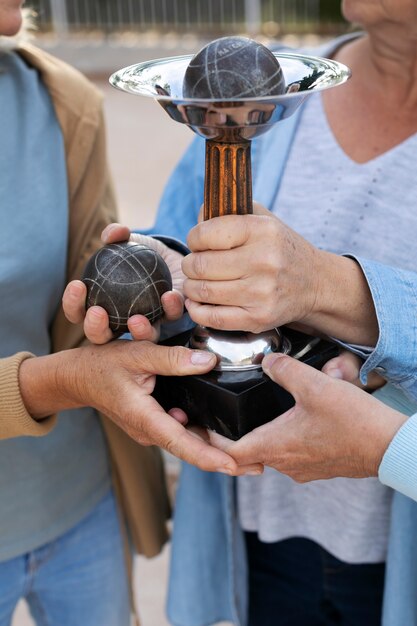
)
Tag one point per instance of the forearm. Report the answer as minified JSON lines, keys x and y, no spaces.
{"x":52,"y":383}
{"x":343,"y":306}
{"x":15,"y":420}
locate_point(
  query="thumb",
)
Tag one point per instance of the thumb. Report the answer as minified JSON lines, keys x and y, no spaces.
{"x":173,"y":360}
{"x":294,"y":376}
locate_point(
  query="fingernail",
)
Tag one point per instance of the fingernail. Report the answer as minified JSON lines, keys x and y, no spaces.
{"x":95,"y":315}
{"x":227,"y":469}
{"x":270,"y":360}
{"x":76,"y":290}
{"x":335,"y":373}
{"x":201,"y":358}
{"x":253,"y":473}
{"x":138,"y":326}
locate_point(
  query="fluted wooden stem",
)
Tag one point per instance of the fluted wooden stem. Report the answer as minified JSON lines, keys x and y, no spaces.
{"x":228,"y":181}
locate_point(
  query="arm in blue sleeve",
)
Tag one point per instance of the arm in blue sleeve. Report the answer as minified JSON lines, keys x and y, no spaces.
{"x":178,"y":213}
{"x":398,"y":468}
{"x":394,"y":293}
{"x":182,"y":196}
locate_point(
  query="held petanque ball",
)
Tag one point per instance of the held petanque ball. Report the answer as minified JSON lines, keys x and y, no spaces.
{"x":127,"y":279}
{"x":233,"y":67}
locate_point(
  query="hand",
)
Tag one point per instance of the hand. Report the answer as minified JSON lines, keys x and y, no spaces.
{"x":118,"y":379}
{"x":230,"y":254}
{"x":334,"y":429}
{"x":347,"y":367}
{"x":96,"y":321}
{"x":252,"y":272}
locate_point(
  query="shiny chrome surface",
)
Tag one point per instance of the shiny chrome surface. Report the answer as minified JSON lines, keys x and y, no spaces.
{"x":238,"y":350}
{"x":162,"y":79}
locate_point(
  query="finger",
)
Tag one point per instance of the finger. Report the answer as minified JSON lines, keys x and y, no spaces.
{"x":179,"y":415}
{"x":218,"y":265}
{"x":173,"y":360}
{"x":150,"y":242}
{"x":115,"y":232}
{"x":73,"y":301}
{"x":251,"y":469}
{"x":248,"y":460}
{"x":347,"y":367}
{"x":222,"y":233}
{"x":142,"y":330}
{"x":96,"y":325}
{"x":259,"y":209}
{"x":374,"y":382}
{"x":296,"y":377}
{"x":173,"y":305}
{"x":223,"y":443}
{"x":220,"y":317}
{"x":169,"y":434}
{"x":232,"y":293}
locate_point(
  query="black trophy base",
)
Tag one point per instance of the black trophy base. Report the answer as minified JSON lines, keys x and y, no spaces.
{"x":234,"y":403}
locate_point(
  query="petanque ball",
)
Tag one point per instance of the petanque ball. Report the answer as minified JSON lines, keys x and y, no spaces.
{"x":127,"y":279}
{"x":233,"y":67}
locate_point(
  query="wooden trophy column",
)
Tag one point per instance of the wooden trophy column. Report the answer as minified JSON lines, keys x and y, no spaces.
{"x":228,"y":179}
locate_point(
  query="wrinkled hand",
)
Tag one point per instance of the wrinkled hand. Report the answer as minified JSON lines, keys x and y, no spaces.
{"x":347,"y":367}
{"x":252,"y":272}
{"x":96,"y":321}
{"x":249,"y":272}
{"x":334,"y":429}
{"x":118,"y":379}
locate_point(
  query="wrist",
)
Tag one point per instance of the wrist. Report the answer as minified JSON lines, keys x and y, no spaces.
{"x":343,"y":305}
{"x":52,"y":383}
{"x":386,"y":425}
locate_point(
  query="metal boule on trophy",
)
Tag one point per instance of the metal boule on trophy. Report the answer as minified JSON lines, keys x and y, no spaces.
{"x":230,"y":92}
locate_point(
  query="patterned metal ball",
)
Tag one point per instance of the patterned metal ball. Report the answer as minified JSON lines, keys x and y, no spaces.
{"x":127,"y":279}
{"x":233,"y":67}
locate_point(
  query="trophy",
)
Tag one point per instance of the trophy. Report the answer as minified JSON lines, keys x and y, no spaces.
{"x":232,"y":91}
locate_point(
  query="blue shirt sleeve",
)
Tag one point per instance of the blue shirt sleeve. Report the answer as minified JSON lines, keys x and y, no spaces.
{"x":394,"y":294}
{"x":183,"y":195}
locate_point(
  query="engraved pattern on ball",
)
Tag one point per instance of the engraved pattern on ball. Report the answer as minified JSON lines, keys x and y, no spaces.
{"x":233,"y":67}
{"x":127,"y":279}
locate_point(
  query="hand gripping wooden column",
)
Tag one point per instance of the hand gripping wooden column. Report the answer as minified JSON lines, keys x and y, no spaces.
{"x":228,"y":179}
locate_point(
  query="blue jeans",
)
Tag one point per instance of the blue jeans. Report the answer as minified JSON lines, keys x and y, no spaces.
{"x":78,"y":579}
{"x":297,"y":583}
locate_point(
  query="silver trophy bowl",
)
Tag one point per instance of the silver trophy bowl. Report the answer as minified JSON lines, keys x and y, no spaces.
{"x":235,"y":119}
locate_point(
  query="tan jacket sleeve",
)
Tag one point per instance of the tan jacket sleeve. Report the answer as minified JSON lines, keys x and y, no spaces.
{"x":15,"y":421}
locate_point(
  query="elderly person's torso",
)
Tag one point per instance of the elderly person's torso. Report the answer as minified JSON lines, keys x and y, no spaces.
{"x":350,"y":184}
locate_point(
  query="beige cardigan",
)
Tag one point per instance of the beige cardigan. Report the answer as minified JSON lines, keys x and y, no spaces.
{"x":137,"y":471}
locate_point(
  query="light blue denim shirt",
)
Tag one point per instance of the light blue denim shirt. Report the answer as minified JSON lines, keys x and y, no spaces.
{"x":208,"y":566}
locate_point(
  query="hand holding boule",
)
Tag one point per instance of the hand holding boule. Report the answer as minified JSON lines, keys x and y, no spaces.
{"x":126,"y":279}
{"x":96,"y":321}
